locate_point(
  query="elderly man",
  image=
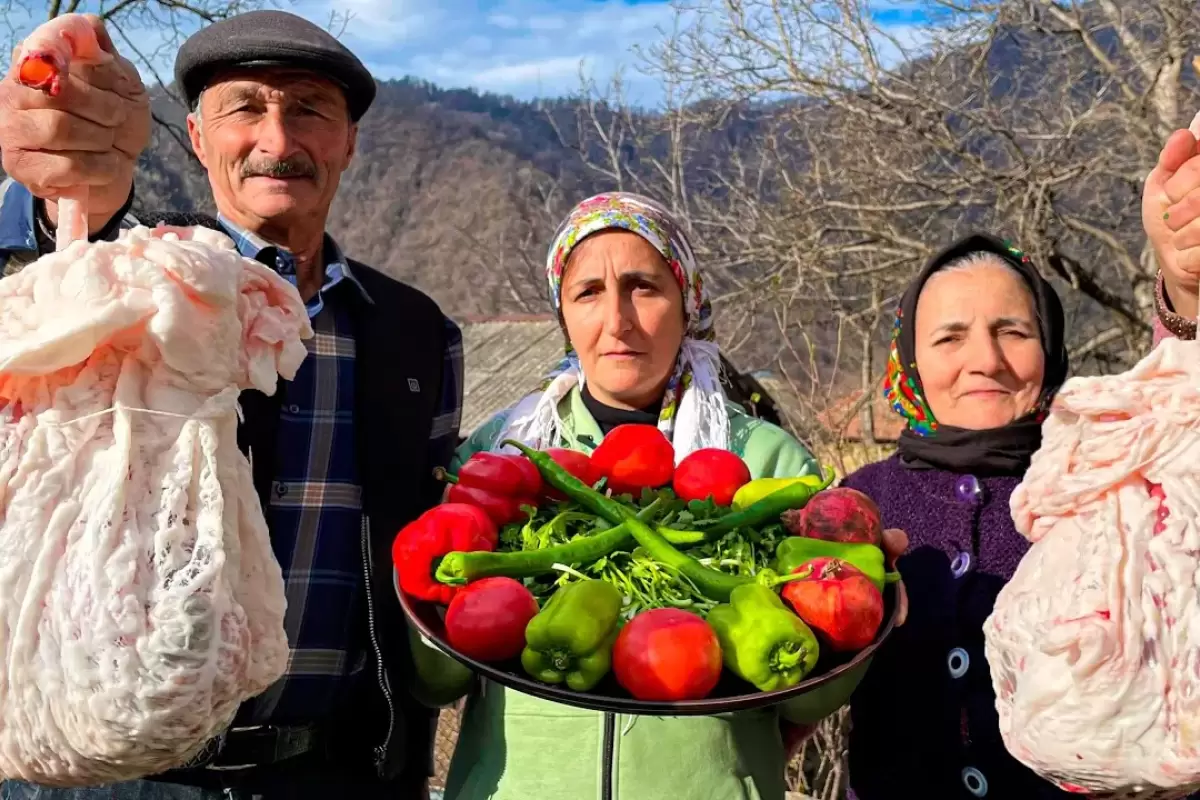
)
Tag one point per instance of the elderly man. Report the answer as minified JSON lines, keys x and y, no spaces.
{"x":344,"y":453}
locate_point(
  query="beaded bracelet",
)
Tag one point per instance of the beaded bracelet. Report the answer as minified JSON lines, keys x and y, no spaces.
{"x":1181,"y":327}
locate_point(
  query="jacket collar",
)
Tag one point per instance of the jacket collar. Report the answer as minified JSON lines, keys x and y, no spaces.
{"x":251,"y":245}
{"x":579,"y":426}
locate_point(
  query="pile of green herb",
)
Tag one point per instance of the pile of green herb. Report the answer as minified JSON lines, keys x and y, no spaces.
{"x":645,"y":582}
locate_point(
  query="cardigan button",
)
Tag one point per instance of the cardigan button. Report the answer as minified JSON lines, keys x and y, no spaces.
{"x":969,"y":490}
{"x":958,"y":662}
{"x":961,"y":564}
{"x":975,"y":782}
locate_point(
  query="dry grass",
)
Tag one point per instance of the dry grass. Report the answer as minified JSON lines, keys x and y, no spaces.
{"x":447,"y":736}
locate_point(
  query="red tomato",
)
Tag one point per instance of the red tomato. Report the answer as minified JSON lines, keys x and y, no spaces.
{"x":578,"y":464}
{"x":711,"y":472}
{"x":667,"y":654}
{"x":487,"y":618}
{"x":635,"y":457}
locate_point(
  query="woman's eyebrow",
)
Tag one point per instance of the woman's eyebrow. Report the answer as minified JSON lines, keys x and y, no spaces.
{"x":1023,"y":322}
{"x":638,"y":275}
{"x":952,"y":327}
{"x":584,"y":281}
{"x":631,"y":276}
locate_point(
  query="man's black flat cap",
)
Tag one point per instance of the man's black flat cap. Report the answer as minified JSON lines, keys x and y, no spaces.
{"x":271,"y":39}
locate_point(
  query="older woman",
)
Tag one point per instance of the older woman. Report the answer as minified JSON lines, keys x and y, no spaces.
{"x":639,"y":329}
{"x":977,"y":355}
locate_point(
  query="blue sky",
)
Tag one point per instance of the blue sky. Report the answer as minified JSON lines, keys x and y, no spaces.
{"x":526,"y":48}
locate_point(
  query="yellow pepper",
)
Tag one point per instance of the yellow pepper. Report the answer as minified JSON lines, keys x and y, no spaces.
{"x":756,"y":490}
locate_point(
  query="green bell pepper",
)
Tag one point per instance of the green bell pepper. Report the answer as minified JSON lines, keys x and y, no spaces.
{"x":795,"y":550}
{"x":571,"y":639}
{"x":762,"y":642}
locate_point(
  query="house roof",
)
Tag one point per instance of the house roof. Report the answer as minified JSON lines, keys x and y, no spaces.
{"x":792,"y":412}
{"x":844,"y":417}
{"x":505,"y":359}
{"x":840,"y":419}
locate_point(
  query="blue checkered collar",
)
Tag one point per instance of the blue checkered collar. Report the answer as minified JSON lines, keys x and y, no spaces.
{"x":251,"y":245}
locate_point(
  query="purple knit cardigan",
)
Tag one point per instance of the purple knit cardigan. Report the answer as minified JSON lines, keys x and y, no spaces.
{"x":924,"y":719}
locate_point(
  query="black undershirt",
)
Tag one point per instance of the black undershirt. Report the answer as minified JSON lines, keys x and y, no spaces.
{"x":608,"y":417}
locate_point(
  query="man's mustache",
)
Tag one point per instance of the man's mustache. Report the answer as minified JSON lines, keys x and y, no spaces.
{"x":279,"y":168}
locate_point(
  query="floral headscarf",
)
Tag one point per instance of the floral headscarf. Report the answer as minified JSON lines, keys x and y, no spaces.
{"x":693,"y":409}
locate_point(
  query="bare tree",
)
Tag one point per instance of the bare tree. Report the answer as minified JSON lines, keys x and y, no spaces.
{"x":820,"y":156}
{"x":1034,"y":118}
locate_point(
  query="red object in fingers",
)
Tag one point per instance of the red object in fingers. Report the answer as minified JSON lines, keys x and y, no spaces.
{"x":38,"y":71}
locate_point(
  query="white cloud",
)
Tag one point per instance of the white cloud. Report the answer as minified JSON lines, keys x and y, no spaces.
{"x":530,"y":72}
{"x":381,"y":22}
{"x":534,"y":47}
{"x":504,"y":21}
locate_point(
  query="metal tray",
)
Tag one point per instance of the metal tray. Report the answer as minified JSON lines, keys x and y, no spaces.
{"x":827,"y":688}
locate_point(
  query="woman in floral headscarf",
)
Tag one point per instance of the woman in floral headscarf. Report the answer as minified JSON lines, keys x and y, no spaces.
{"x":977,"y":356}
{"x":638,"y":322}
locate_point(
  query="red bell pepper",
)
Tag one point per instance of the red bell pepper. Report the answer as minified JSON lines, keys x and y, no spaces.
{"x":420,"y":545}
{"x":498,"y":483}
{"x":635,"y":457}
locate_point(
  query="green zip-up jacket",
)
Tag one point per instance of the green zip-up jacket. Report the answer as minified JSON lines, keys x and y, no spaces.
{"x":513,"y":746}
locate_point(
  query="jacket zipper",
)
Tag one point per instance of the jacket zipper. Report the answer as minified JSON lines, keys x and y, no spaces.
{"x":610,"y":729}
{"x":380,"y":750}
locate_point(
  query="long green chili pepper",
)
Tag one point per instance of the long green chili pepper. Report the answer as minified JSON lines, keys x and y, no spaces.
{"x":457,"y":568}
{"x":709,"y":582}
{"x":766,"y":510}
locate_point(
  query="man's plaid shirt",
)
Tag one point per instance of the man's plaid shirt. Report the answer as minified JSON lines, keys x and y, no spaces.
{"x":315,"y":513}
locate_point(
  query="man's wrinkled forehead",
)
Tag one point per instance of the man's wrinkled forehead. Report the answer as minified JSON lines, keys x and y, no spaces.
{"x":244,"y":83}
